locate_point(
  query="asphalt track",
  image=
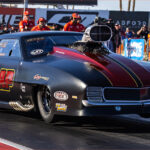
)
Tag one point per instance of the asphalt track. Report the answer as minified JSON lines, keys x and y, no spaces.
{"x":127,"y":132}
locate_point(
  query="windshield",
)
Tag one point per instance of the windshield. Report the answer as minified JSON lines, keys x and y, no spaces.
{"x":38,"y":46}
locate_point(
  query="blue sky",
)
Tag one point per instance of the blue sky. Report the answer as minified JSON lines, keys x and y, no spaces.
{"x":141,"y":5}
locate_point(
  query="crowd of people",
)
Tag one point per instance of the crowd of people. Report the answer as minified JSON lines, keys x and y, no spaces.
{"x":118,"y":34}
{"x":28,"y":25}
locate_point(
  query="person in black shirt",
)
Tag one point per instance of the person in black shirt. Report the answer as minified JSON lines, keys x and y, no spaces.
{"x":143,"y":32}
{"x":116,"y":38}
{"x":12,"y":29}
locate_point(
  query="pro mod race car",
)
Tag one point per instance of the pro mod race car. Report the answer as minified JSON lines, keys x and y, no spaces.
{"x":55,"y":72}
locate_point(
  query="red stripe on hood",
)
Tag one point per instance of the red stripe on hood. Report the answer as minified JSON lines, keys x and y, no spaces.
{"x":78,"y":54}
{"x":116,"y":74}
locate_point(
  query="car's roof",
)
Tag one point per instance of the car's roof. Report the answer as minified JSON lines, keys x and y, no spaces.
{"x":37,"y":33}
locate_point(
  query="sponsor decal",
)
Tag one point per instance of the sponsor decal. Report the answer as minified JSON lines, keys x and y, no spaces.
{"x":61,"y":95}
{"x":61,"y":107}
{"x":38,"y":77}
{"x":75,"y":97}
{"x":134,"y":48}
{"x":35,"y":39}
{"x":37,"y":61}
{"x":36,"y":52}
{"x":133,"y":20}
{"x":60,"y":52}
{"x":6,"y":79}
{"x":61,"y":17}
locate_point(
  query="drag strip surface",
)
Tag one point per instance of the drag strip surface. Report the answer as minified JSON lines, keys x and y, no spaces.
{"x":103,"y":133}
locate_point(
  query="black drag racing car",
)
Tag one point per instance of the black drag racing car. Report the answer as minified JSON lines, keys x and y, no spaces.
{"x":57,"y":73}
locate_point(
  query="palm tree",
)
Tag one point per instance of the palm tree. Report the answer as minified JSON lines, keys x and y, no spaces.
{"x":129,"y":5}
{"x":120,"y":5}
{"x":133,"y":5}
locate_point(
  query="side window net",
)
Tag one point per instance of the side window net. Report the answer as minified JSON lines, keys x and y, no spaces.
{"x":9,"y":47}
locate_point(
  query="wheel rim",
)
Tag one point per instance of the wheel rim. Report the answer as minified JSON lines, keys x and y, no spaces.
{"x":46,"y":100}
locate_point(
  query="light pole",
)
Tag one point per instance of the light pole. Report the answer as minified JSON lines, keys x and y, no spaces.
{"x":25,"y":4}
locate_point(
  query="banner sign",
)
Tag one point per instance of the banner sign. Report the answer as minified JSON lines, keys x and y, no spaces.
{"x":68,"y":2}
{"x":134,"y":48}
{"x":133,"y":20}
{"x":63,"y":16}
{"x":12,"y":16}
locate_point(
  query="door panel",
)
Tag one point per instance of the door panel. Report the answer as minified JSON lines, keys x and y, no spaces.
{"x":10,"y":57}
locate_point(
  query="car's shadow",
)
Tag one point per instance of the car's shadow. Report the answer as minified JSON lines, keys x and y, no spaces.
{"x":75,"y":132}
{"x":106,"y":123}
{"x":119,"y":124}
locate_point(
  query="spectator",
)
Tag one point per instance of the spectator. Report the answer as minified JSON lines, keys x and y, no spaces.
{"x":116,"y":38}
{"x":111,"y":24}
{"x":79,"y":25}
{"x":143,"y":32}
{"x":5,"y":30}
{"x":110,"y":43}
{"x":122,"y":32}
{"x":12,"y":29}
{"x":129,"y":34}
{"x":72,"y":25}
{"x":41,"y":25}
{"x":26,"y":24}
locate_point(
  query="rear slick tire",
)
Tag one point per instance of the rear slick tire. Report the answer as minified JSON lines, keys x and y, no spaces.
{"x":45,"y":104}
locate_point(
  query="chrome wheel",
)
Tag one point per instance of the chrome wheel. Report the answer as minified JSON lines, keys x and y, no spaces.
{"x":46,"y":99}
{"x":45,"y":104}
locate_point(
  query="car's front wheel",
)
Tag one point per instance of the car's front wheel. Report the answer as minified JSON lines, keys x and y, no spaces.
{"x":45,"y":104}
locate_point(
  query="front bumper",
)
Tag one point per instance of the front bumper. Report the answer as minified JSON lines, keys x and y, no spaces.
{"x":111,"y":100}
{"x":109,"y":108}
{"x":87,"y":103}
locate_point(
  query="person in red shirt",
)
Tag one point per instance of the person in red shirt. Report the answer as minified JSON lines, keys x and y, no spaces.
{"x":79,"y":25}
{"x":41,"y":25}
{"x":72,"y":25}
{"x":26,"y":24}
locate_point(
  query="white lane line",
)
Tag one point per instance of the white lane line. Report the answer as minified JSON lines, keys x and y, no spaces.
{"x":15,"y":145}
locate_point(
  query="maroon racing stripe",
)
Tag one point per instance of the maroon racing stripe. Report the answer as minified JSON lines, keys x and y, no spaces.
{"x":118,"y":76}
{"x":141,"y":73}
